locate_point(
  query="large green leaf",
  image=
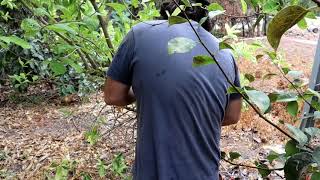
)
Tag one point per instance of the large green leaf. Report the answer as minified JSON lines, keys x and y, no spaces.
{"x":16,"y":40}
{"x":296,"y":164}
{"x":176,"y":20}
{"x":287,"y":97}
{"x":58,"y":68}
{"x":283,"y":21}
{"x":180,"y":45}
{"x":298,"y":134}
{"x":61,"y":28}
{"x":260,"y":99}
{"x":202,"y":60}
{"x":186,"y":2}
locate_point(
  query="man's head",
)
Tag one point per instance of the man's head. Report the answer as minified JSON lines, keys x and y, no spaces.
{"x":195,"y":13}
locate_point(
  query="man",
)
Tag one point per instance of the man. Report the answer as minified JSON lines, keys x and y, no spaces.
{"x":180,"y":108}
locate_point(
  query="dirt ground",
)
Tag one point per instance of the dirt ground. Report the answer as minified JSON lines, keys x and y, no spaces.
{"x":33,"y":137}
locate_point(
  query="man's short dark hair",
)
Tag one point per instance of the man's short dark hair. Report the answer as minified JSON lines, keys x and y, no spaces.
{"x":195,"y":13}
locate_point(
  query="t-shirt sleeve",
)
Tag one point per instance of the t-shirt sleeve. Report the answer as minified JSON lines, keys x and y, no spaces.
{"x":236,"y":82}
{"x":121,"y":66}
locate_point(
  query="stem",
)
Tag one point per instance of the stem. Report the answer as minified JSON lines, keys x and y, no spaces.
{"x":230,"y":82}
{"x":254,"y":167}
{"x":103,"y":25}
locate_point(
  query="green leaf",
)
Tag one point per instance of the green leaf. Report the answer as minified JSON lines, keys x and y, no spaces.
{"x":293,"y":108}
{"x":298,"y":134}
{"x":16,"y":40}
{"x":30,"y":27}
{"x":102,"y":168}
{"x":135,"y":3}
{"x":291,"y":148}
{"x":180,"y":45}
{"x":202,"y":60}
{"x":265,"y":171}
{"x":313,"y":92}
{"x":202,"y":20}
{"x":312,"y":131}
{"x":117,"y":6}
{"x":61,"y":28}
{"x":295,"y":74}
{"x":287,"y":97}
{"x":250,"y":77}
{"x":260,"y":99}
{"x":272,"y":156}
{"x":302,"y":24}
{"x":315,"y":176}
{"x":58,"y":68}
{"x":296,"y":164}
{"x":234,"y":155}
{"x":41,"y":12}
{"x":284,"y":20}
{"x":186,"y":2}
{"x":215,"y":7}
{"x":176,"y":20}
{"x":92,"y":136}
{"x":311,"y":15}
{"x":231,"y":90}
{"x":316,"y":155}
{"x":244,"y":6}
{"x":224,"y":45}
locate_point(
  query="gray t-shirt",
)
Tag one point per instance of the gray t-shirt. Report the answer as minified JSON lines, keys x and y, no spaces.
{"x":180,"y":107}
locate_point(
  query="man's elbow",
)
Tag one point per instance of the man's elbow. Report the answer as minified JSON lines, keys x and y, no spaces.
{"x":230,"y":120}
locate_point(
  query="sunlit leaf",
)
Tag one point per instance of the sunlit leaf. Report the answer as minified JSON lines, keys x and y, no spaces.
{"x":180,"y":45}
{"x":244,"y":6}
{"x":30,"y":26}
{"x":117,"y":6}
{"x":284,"y":20}
{"x":302,"y":24}
{"x":215,"y":7}
{"x":202,"y":60}
{"x":61,"y":28}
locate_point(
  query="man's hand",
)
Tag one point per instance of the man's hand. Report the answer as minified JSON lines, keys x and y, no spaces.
{"x":233,"y":111}
{"x":117,"y":93}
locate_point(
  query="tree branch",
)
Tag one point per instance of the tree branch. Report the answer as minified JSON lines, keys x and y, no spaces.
{"x":103,"y":25}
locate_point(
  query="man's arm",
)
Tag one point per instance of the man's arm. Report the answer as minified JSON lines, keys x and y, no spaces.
{"x":233,"y":111}
{"x":117,"y":93}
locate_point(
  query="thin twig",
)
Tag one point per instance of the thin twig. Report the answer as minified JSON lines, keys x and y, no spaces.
{"x":254,"y":167}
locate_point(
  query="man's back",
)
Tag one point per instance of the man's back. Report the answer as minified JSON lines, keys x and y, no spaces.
{"x":180,"y":107}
